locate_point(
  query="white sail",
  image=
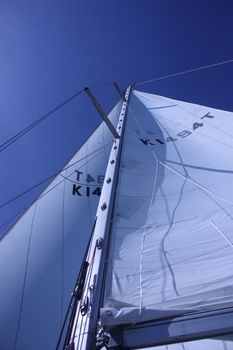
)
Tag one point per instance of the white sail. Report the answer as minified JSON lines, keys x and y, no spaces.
{"x":171,"y":241}
{"x":41,"y":255}
{"x":205,"y":344}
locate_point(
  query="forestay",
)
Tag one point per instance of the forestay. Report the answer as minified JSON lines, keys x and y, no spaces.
{"x":41,"y":255}
{"x":171,"y":250}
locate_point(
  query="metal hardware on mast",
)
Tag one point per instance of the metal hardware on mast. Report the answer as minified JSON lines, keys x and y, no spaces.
{"x":84,"y":332}
{"x":101,"y":112}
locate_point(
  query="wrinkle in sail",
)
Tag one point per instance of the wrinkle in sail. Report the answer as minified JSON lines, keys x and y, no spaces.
{"x":144,"y":237}
{"x":163,"y":251}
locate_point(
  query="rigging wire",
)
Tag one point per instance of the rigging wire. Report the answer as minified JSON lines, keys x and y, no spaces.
{"x":18,"y":135}
{"x":71,"y":308}
{"x":45,"y":116}
{"x":80,"y":183}
{"x":49,"y":178}
{"x":14,"y":138}
{"x":184,"y":72}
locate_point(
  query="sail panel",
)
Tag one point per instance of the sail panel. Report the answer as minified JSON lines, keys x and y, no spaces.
{"x":225,"y":343}
{"x":41,"y":255}
{"x":172,"y":243}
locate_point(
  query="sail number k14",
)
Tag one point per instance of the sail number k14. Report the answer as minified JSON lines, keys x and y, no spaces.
{"x":181,"y":134}
{"x":91,"y":185}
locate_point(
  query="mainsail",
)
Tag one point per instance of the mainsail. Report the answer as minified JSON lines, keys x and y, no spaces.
{"x":171,"y":240}
{"x":42,"y":253}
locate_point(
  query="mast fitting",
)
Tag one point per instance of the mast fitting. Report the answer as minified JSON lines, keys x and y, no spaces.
{"x":99,"y":243}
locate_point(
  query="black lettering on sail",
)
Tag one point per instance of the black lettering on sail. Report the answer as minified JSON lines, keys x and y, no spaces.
{"x":184,"y":133}
{"x":197,"y":125}
{"x":145,"y":141}
{"x":76,"y":190}
{"x":100,"y":179}
{"x":89,"y":178}
{"x":208,"y":115}
{"x":78,"y":174}
{"x":97,"y":191}
{"x":159,"y":141}
{"x":169,"y":139}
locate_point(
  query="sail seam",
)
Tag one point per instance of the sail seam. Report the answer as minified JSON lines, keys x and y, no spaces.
{"x":221,"y":232}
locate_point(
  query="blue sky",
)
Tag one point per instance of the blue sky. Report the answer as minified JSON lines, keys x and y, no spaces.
{"x":52,"y":49}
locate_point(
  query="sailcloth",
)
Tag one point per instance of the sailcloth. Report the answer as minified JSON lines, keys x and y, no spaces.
{"x":205,"y":344}
{"x":41,"y":255}
{"x":171,"y":250}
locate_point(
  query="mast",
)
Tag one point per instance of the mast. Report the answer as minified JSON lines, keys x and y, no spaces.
{"x":89,"y":292}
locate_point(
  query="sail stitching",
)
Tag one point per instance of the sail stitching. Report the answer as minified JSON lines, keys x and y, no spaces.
{"x":221,"y":232}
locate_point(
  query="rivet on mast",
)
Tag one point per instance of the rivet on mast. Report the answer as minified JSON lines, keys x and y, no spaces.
{"x":101,"y":112}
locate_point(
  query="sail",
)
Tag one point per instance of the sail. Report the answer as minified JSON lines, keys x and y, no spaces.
{"x":171,"y":240}
{"x":41,"y":255}
{"x":205,"y":344}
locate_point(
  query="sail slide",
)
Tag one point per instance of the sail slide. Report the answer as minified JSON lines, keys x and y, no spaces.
{"x":171,"y":250}
{"x":41,"y":255}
